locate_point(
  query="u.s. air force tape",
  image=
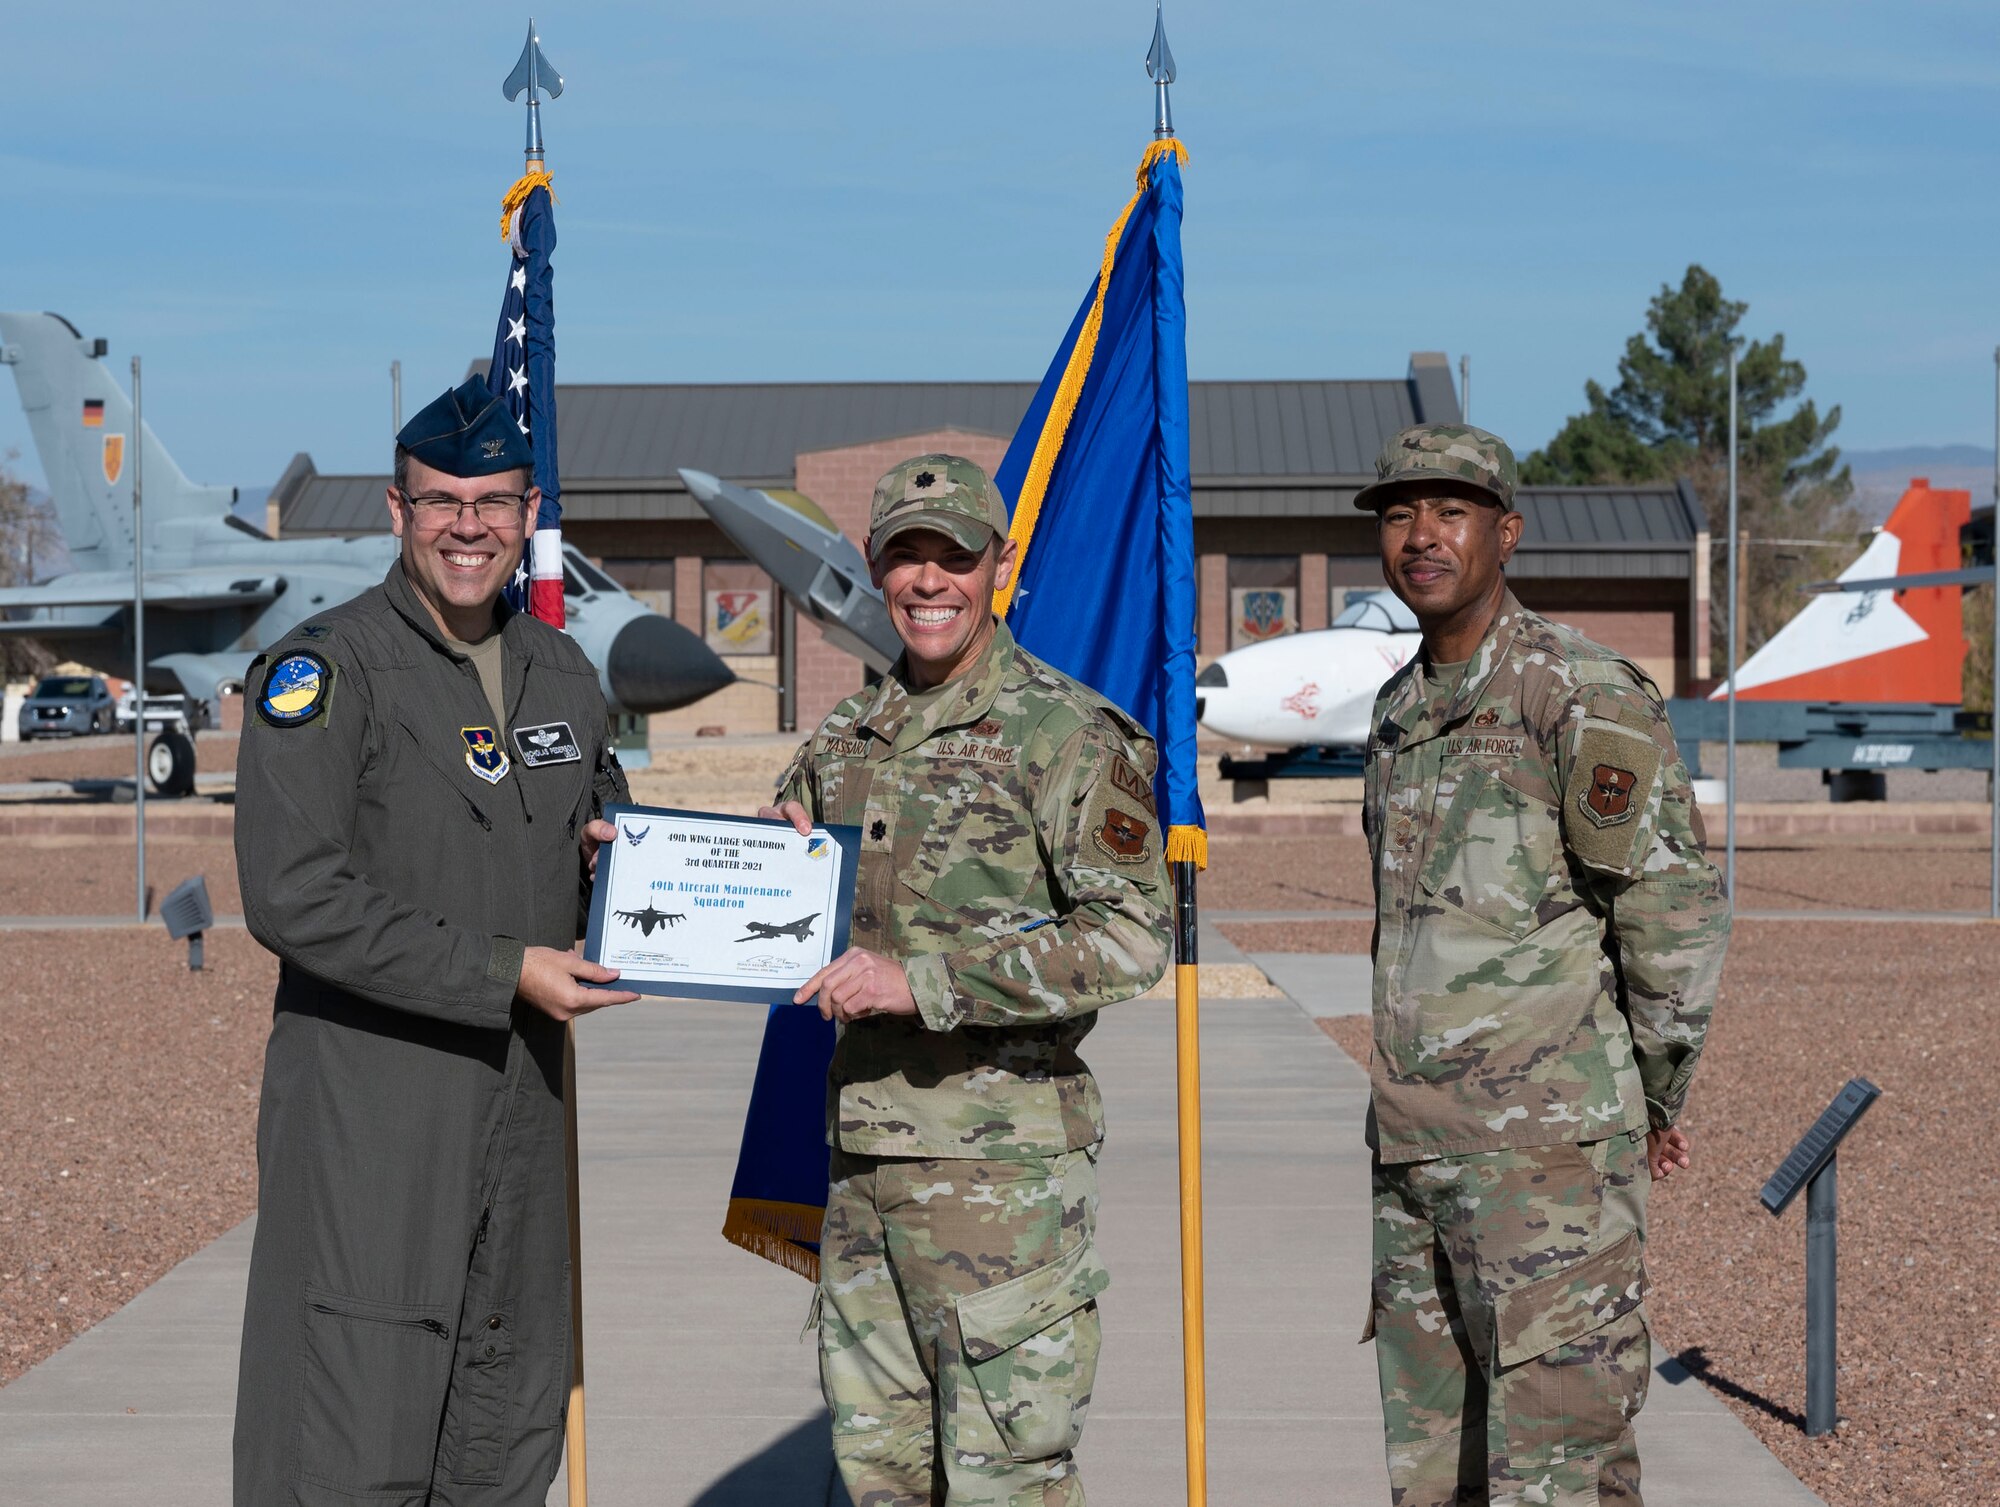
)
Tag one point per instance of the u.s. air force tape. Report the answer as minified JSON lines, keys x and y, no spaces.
{"x":296,"y":689}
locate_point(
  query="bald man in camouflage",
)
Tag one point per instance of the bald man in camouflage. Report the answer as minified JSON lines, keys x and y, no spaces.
{"x":1547,"y":944}
{"x":1012,"y":882}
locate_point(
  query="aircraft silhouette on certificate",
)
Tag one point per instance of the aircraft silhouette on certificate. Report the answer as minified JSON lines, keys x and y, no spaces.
{"x":763,"y":931}
{"x":651,"y":918}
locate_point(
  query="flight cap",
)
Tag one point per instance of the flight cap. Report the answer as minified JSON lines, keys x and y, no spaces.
{"x":1442,"y":452}
{"x":468,"y":432}
{"x":947,"y":493}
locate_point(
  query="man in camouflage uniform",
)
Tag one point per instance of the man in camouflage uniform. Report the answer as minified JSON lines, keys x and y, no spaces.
{"x":1011,"y":882}
{"x":1547,"y":944}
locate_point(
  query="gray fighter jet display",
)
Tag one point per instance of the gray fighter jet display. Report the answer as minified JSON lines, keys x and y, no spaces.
{"x":814,"y":564}
{"x":217,"y":589}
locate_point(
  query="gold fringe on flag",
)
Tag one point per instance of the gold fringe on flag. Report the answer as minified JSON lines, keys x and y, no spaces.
{"x":1062,"y":408}
{"x":516,"y":196}
{"x":770,"y":1229}
{"x":1187,"y":845}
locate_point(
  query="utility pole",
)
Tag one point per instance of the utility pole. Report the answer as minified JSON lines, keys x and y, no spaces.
{"x":1735,"y":626}
{"x":1465,"y":388}
{"x":395,"y":398}
{"x":139,"y":634}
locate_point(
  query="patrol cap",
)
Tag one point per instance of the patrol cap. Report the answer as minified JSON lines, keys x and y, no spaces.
{"x":947,"y":493}
{"x":1442,"y":452}
{"x":467,"y":432}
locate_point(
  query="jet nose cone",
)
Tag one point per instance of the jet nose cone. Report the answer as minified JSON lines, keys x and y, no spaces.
{"x":656,"y":665}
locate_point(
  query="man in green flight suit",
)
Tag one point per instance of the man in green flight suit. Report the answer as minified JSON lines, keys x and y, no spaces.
{"x":1548,"y":940}
{"x":417,"y":801}
{"x":1011,"y":882}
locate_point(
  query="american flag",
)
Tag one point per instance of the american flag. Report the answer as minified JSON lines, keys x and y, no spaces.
{"x":524,"y":372}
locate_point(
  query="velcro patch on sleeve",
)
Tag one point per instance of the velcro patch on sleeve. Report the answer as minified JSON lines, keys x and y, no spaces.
{"x":1610,"y":807}
{"x":1117,"y":824}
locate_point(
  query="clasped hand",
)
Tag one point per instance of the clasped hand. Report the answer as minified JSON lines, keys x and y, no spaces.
{"x":858,"y":983}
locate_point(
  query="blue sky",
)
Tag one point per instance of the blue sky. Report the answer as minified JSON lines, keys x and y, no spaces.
{"x":269,"y":203}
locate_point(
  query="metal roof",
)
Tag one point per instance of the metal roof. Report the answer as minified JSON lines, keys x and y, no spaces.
{"x":631,"y":440}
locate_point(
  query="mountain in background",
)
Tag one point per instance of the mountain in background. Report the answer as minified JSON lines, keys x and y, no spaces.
{"x":1881,"y":476}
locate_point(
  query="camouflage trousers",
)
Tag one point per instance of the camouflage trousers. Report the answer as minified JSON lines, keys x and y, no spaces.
{"x":959,"y":1334}
{"x":1509,"y":1333}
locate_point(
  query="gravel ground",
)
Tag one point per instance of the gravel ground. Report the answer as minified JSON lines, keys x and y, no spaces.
{"x":1821,"y":872}
{"x":105,"y":758}
{"x":1804,"y":1007}
{"x":93,"y":876}
{"x":1298,"y":936}
{"x":127,"y":1119}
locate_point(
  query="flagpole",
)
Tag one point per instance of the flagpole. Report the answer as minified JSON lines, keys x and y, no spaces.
{"x":1187,"y":1025}
{"x":573,"y":1451}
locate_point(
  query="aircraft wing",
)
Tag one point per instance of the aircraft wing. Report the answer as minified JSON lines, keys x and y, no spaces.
{"x":202,"y":676}
{"x":171,"y":590}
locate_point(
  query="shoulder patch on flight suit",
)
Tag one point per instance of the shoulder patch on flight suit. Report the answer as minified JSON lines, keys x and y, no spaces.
{"x":1131,"y":783}
{"x":297,"y":689}
{"x":1611,"y":788}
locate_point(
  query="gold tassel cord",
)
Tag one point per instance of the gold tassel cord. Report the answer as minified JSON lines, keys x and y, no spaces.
{"x":1062,"y":408}
{"x":1187,"y":844}
{"x":516,"y":196}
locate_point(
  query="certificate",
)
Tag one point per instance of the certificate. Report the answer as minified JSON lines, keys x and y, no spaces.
{"x":701,"y":906}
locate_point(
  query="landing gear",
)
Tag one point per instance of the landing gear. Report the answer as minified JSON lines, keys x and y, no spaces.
{"x":170,"y":763}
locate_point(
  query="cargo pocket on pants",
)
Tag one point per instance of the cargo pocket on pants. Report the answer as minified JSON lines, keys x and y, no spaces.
{"x":1573,"y":1356}
{"x":1031,"y":1344}
{"x":370,"y":1399}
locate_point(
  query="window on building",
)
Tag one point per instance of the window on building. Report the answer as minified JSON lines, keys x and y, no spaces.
{"x":739,"y":608}
{"x":1263,"y":598}
{"x":651,"y":580}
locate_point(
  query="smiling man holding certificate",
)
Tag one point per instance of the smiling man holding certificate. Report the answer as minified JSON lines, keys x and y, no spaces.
{"x":1010,"y":883}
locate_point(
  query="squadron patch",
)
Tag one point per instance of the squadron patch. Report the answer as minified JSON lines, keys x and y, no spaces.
{"x":296,"y":690}
{"x":547,"y":743}
{"x":1122,"y":836}
{"x":1606,"y":812}
{"x":483,"y":754}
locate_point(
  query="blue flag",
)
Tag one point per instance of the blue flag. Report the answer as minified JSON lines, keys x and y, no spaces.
{"x":1105,"y":591}
{"x":1104,"y":587}
{"x":524,"y":373}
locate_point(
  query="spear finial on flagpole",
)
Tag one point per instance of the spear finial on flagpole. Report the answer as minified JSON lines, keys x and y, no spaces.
{"x":535,"y":74}
{"x":1160,"y":69}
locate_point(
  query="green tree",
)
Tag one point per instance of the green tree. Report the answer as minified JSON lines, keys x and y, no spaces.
{"x":1669,"y":416}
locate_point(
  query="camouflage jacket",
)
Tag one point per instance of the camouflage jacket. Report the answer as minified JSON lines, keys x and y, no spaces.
{"x":1548,"y":933}
{"x":1012,"y":862}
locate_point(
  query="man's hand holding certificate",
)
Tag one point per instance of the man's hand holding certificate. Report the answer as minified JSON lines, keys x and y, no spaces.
{"x":703,"y":906}
{"x":857,"y":982}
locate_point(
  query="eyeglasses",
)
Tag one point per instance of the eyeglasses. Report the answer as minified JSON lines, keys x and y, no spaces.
{"x":497,"y":510}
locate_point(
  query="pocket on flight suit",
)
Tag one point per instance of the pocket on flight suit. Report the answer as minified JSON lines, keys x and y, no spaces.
{"x":370,"y":1400}
{"x":1573,"y":1357}
{"x":1492,"y":852}
{"x":1031,"y":1344}
{"x":476,"y":1431}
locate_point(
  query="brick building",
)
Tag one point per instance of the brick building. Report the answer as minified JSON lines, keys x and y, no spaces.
{"x":1275,"y":469}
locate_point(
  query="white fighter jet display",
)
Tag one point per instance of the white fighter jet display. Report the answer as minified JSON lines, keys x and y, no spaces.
{"x":217,"y":589}
{"x":1309,"y":688}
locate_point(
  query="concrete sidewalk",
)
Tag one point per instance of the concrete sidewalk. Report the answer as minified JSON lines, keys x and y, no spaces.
{"x":700,"y":1391}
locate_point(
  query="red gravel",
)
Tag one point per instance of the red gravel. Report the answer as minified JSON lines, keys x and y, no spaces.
{"x":93,"y":876}
{"x":1876,"y":872}
{"x":128,"y":1114}
{"x":103,"y":758}
{"x":1299,"y":936}
{"x":1804,"y":1007}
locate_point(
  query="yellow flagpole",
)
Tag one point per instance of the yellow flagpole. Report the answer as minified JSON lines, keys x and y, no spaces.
{"x":573,"y":1450}
{"x":1187,"y":1019}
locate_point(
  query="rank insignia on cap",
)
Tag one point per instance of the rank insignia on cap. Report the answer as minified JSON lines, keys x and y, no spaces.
{"x":483,"y":754}
{"x":926,"y":479}
{"x":296,"y":690}
{"x":493,"y":448}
